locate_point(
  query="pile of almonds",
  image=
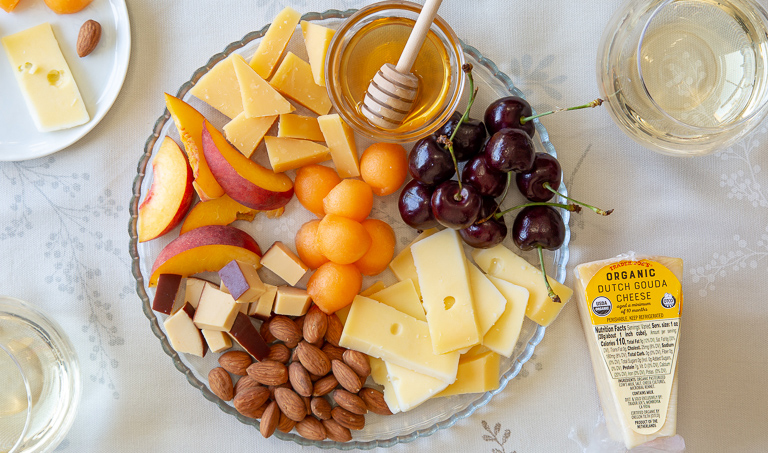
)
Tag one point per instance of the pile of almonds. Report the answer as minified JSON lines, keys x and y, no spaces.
{"x":307,"y":381}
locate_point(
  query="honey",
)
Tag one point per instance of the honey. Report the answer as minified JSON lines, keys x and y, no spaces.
{"x":382,"y":41}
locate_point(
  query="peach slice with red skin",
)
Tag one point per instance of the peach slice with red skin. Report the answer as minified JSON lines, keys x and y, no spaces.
{"x":205,"y":249}
{"x":220,"y":211}
{"x":244,"y":180}
{"x":189,"y":122}
{"x":170,"y":195}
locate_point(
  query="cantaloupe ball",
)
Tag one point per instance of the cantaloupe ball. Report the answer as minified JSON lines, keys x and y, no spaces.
{"x":384,"y":166}
{"x":382,"y":249}
{"x":312,"y":184}
{"x":67,"y":6}
{"x":342,"y":240}
{"x":351,"y":198}
{"x":306,"y":245}
{"x":334,"y":286}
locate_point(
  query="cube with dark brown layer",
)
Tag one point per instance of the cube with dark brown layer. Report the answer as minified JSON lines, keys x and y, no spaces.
{"x":169,"y":296}
{"x":247,"y":336}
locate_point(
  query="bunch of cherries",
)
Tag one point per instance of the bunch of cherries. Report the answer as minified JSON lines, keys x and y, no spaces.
{"x":469,"y":203}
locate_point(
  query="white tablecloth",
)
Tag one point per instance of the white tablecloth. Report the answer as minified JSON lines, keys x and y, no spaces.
{"x":64,"y":245}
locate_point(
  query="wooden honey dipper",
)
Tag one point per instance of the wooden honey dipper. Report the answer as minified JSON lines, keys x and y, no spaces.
{"x":393,"y":89}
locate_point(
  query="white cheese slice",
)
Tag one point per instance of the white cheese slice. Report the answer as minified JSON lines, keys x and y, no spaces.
{"x":489,"y":302}
{"x":402,"y":264}
{"x":403,"y":297}
{"x":412,"y":388}
{"x":379,"y":376}
{"x":503,"y":335}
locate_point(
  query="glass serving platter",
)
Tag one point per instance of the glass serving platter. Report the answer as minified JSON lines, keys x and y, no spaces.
{"x":379,"y":431}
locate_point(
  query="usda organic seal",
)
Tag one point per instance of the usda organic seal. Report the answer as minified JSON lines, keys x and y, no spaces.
{"x":668,"y":301}
{"x":602,"y":306}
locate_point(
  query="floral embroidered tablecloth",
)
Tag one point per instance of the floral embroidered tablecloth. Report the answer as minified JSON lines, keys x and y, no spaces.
{"x":64,"y":245}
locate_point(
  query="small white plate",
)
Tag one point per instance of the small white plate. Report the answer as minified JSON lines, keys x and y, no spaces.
{"x":99,"y":75}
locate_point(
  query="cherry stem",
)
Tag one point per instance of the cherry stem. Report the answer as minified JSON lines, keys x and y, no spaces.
{"x":555,"y":298}
{"x":596,"y":210}
{"x":448,"y":142}
{"x":567,"y":207}
{"x":596,"y":103}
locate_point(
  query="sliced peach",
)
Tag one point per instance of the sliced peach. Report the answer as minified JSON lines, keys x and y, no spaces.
{"x":220,"y":211}
{"x":244,"y":180}
{"x":205,"y":249}
{"x":189,"y":122}
{"x":169,"y":196}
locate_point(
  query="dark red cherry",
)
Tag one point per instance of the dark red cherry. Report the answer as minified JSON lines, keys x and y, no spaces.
{"x":510,"y":150}
{"x":488,"y":233}
{"x":456,"y":208}
{"x":538,"y":226}
{"x":483,"y":177}
{"x":531,"y":183}
{"x":469,"y":139}
{"x":429,"y":162}
{"x":415,"y":205}
{"x":506,"y":112}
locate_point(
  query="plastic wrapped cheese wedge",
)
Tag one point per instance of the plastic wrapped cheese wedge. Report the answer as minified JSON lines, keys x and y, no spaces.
{"x":630,"y":309}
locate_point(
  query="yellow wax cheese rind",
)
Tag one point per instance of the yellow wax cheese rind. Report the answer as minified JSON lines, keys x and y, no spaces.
{"x":274,"y":42}
{"x":402,"y":265}
{"x":293,"y":78}
{"x":317,"y":39}
{"x":220,"y":89}
{"x":501,"y":262}
{"x":613,"y":397}
{"x":489,"y":302}
{"x":411,"y":388}
{"x":503,"y":335}
{"x":383,"y":332}
{"x":258,"y":97}
{"x":476,"y":374}
{"x":341,"y":141}
{"x":445,"y":291}
{"x":45,"y":80}
{"x":246,"y":133}
{"x":290,"y":153}
{"x":379,"y":376}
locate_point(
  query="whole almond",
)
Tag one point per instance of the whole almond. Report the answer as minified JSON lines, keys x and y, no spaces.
{"x":265,"y":333}
{"x":299,"y":379}
{"x":249,"y":401}
{"x":347,"y":419}
{"x":268,"y":372}
{"x":88,"y":37}
{"x":333,"y":332}
{"x":333,"y":352}
{"x":245,"y":382}
{"x":336,"y":432}
{"x":321,"y":408}
{"x":349,"y":401}
{"x":285,"y":330}
{"x":269,"y":420}
{"x":358,"y":362}
{"x":311,"y":428}
{"x":374,"y":401}
{"x":290,"y":403}
{"x":346,"y":376}
{"x":279,"y":353}
{"x":285,"y":424}
{"x":315,"y":324}
{"x":313,"y":359}
{"x":299,"y":322}
{"x":220,"y":383}
{"x":325,"y":385}
{"x":236,"y":362}
{"x":272,"y":388}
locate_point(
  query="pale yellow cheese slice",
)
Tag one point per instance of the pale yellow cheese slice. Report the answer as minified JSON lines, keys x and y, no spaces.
{"x":220,"y":89}
{"x":446,"y":295}
{"x":381,"y":331}
{"x":246,"y":133}
{"x":373,"y":289}
{"x":258,"y":96}
{"x":411,"y":388}
{"x":290,"y":153}
{"x":402,"y":265}
{"x":503,"y":335}
{"x":402,"y":296}
{"x":317,"y":39}
{"x":477,"y":374}
{"x":45,"y":80}
{"x":275,"y":40}
{"x":217,"y":340}
{"x":379,"y":376}
{"x":489,"y":302}
{"x":293,"y":78}
{"x":341,"y":141}
{"x":501,"y":262}
{"x":297,"y":126}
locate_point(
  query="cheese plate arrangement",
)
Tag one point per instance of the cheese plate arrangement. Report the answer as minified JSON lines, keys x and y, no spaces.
{"x":346,"y":317}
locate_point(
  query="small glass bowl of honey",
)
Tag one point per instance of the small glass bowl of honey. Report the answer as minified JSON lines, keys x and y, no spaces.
{"x":376,"y":35}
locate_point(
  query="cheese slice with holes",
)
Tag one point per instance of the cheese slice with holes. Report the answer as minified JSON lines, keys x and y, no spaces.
{"x":411,"y":388}
{"x":403,"y":297}
{"x":489,"y":302}
{"x":402,"y":264}
{"x":502,"y":336}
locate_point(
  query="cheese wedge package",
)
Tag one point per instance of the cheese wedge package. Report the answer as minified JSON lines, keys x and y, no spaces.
{"x":630,"y":308}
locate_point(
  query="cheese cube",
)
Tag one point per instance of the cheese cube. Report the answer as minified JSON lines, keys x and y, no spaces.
{"x":402,"y":265}
{"x":194,"y":289}
{"x":341,"y":141}
{"x":297,"y":126}
{"x":248,"y":337}
{"x":246,"y":133}
{"x":220,"y":89}
{"x":289,"y":153}
{"x":291,"y":301}
{"x":374,"y":288}
{"x":294,"y":79}
{"x":216,"y":311}
{"x":379,"y":376}
{"x":317,"y":39}
{"x":501,"y":262}
{"x":275,"y":40}
{"x":242,"y":281}
{"x":262,"y":308}
{"x":489,"y":302}
{"x":447,"y":298}
{"x":476,"y":374}
{"x":258,"y":96}
{"x":412,"y":388}
{"x":381,"y":331}
{"x":45,"y":80}
{"x":402,"y":296}
{"x":217,"y":340}
{"x":184,"y":336}
{"x":169,"y":295}
{"x":502,"y":337}
{"x":282,"y":261}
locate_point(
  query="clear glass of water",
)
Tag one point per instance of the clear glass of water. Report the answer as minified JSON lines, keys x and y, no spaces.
{"x":686,"y":77}
{"x":39,"y":380}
